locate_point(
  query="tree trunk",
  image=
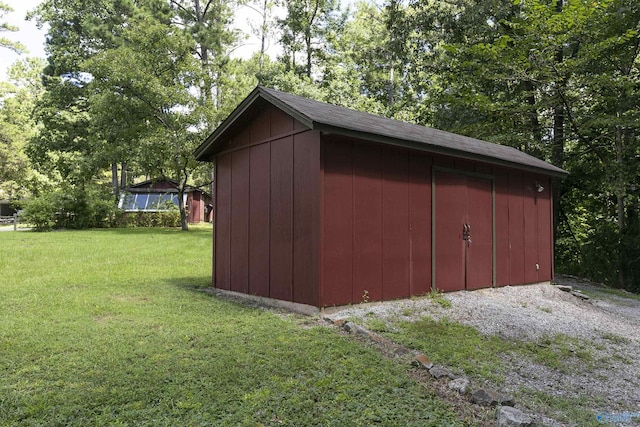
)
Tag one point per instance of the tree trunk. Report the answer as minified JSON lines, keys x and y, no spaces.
{"x":114,"y":181}
{"x":182,"y":186}
{"x":391,"y":100}
{"x":619,"y":190}
{"x":534,"y":122}
{"x":184,"y":224}
{"x":308,"y":35}
{"x":263,"y":33}
{"x":309,"y":54}
{"x":391,"y":48}
{"x":557,"y":150}
{"x":557,"y":159}
{"x":123,"y":175}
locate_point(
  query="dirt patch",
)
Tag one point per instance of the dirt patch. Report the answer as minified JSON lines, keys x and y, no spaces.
{"x":607,"y":324}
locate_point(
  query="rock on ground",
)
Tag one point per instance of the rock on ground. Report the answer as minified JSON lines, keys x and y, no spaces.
{"x":512,"y":417}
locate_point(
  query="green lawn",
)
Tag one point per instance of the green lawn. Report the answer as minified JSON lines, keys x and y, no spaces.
{"x":112,"y":327}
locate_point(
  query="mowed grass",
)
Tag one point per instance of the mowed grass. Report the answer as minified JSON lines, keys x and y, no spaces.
{"x":112,"y":327}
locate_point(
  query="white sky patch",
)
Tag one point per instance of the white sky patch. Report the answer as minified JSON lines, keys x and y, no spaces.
{"x":33,"y":38}
{"x":28,"y":34}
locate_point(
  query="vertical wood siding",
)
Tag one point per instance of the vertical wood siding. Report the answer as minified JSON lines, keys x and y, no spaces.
{"x":545,"y":231}
{"x":530,"y":233}
{"x":306,"y":217}
{"x":367,"y":234}
{"x":377,"y":213}
{"x":503,"y":265}
{"x":240,"y":221}
{"x":420,"y":224}
{"x":223,"y":223}
{"x":516,"y":228}
{"x":395,"y":224}
{"x":268,"y":210}
{"x":338,"y":223}
{"x":259,"y":220}
{"x":370,"y":207}
{"x":281,"y":245}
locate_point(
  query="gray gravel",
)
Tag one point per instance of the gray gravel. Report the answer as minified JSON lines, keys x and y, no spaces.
{"x":609,"y":326}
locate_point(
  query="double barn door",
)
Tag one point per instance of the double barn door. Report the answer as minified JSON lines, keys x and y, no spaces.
{"x":463,"y":231}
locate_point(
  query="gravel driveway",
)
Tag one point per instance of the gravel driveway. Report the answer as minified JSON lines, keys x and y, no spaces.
{"x":609,"y":324}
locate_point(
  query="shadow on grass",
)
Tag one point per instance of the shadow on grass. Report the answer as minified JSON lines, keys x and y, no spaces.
{"x":202,"y":286}
{"x":155,"y":230}
{"x":192,"y":283}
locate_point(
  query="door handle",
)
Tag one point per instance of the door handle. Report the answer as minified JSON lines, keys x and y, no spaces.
{"x":466,"y":233}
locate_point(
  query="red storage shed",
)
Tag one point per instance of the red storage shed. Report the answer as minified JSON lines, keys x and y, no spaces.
{"x":322,"y":205}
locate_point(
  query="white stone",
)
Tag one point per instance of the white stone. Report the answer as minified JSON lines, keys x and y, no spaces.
{"x":512,"y":417}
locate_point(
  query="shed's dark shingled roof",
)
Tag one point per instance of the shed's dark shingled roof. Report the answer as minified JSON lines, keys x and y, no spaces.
{"x":330,"y":118}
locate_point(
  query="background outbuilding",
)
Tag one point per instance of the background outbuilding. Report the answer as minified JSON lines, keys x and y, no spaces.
{"x":157,"y":195}
{"x":322,"y":205}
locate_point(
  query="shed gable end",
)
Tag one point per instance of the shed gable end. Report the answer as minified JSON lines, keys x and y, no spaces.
{"x":261,"y":126}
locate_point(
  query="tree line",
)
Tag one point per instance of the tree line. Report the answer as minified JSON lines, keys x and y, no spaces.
{"x":131,"y":87}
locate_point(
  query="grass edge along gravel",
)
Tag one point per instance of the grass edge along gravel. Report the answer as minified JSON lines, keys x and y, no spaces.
{"x":112,"y":327}
{"x":467,"y":351}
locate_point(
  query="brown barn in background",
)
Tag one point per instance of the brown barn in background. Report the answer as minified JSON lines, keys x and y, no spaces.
{"x":153,"y":196}
{"x":322,"y":205}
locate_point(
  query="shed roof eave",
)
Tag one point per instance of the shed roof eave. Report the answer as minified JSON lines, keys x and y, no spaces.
{"x":548,"y":168}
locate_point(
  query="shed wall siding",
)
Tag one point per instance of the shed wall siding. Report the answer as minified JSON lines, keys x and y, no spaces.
{"x":306,"y":216}
{"x":222,"y":277}
{"x":281,"y":225}
{"x":367,"y":235}
{"x":268,"y":209}
{"x":259,"y":219}
{"x":239,"y":221}
{"x":524,"y":231}
{"x":377,"y":222}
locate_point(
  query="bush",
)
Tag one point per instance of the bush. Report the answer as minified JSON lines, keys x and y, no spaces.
{"x":40,"y":212}
{"x":71,"y":207}
{"x":91,"y":207}
{"x":169,"y":218}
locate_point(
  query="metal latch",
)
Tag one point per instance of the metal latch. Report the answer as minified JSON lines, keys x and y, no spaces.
{"x":466,"y":233}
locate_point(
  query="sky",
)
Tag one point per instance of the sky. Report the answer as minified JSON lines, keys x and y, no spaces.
{"x":29,"y":35}
{"x":34,"y":38}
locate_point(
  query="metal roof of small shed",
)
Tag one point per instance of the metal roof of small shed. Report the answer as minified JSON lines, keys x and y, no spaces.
{"x":333,"y":119}
{"x":148,"y":186}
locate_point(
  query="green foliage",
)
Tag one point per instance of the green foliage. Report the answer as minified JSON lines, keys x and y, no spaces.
{"x":112,"y":327}
{"x":126,"y":90}
{"x":438,"y":297}
{"x":166,"y":219}
{"x":18,"y":96}
{"x":40,"y":212}
{"x":304,"y":30}
{"x":72,"y":208}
